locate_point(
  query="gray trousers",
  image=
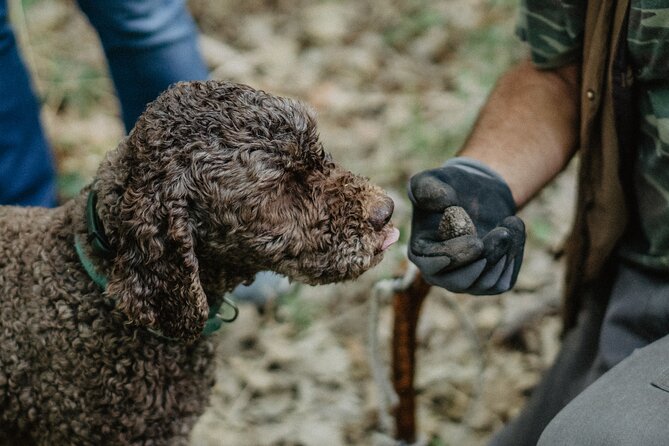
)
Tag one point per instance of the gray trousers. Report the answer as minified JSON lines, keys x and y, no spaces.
{"x":609,"y":384}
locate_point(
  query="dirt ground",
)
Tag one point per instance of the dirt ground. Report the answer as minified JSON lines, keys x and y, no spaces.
{"x":396,"y":84}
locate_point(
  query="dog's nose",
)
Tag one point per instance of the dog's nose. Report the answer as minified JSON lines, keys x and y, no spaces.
{"x":381,"y":212}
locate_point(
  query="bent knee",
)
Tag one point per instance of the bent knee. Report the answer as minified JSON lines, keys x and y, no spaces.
{"x":592,"y":422}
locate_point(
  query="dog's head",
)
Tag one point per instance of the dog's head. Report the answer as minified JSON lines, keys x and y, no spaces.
{"x":218,"y":181}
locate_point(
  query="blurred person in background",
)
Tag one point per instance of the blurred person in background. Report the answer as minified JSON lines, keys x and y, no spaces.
{"x":597,"y":84}
{"x":149,"y":44}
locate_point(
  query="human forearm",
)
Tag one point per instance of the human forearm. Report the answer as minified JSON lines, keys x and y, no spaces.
{"x":526,"y":132}
{"x":528,"y":129}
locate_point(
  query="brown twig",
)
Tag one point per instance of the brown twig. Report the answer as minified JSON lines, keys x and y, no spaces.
{"x":407,"y":304}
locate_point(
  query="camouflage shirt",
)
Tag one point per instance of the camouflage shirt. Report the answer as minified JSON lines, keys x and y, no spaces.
{"x":554,"y":31}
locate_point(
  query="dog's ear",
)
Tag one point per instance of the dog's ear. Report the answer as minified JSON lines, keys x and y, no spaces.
{"x":155,"y":275}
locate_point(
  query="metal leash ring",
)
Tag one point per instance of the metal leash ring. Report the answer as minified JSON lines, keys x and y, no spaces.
{"x":235,"y":310}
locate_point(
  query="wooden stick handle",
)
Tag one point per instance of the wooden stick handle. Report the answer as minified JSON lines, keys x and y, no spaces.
{"x":407,"y":304}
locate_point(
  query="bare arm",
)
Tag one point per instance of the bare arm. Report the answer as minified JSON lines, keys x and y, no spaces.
{"x":528,"y":129}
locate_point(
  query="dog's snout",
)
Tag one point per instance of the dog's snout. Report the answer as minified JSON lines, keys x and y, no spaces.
{"x":381,"y":212}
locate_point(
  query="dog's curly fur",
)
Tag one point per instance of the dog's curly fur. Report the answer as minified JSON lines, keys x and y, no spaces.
{"x":216,"y":182}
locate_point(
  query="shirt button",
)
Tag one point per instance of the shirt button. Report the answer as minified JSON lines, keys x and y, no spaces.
{"x":590,"y":94}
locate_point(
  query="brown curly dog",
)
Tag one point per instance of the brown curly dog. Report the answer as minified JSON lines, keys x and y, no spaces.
{"x":103,"y":301}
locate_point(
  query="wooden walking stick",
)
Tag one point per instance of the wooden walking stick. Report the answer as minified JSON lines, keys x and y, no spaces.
{"x":407,"y":303}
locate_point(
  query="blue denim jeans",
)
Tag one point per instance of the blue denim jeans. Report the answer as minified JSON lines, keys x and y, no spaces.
{"x":26,"y":168}
{"x":149,"y":44}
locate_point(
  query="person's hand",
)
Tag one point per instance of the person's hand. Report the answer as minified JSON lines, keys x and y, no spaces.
{"x":484,"y":259}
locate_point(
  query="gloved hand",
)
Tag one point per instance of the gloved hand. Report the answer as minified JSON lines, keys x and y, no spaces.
{"x":486,"y":262}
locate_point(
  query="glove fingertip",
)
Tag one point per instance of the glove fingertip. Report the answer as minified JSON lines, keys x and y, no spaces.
{"x":496,"y":243}
{"x":430,"y":193}
{"x":464,"y":249}
{"x":514,"y":224}
{"x":506,"y":280}
{"x":459,"y":280}
{"x":490,"y":277}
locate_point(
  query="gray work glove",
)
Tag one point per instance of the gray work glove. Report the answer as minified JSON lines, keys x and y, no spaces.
{"x":486,"y":262}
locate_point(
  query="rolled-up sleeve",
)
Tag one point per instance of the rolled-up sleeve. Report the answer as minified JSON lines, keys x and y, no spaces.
{"x":553,"y":30}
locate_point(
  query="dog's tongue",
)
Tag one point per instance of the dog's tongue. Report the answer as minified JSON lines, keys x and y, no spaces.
{"x":390,"y":239}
